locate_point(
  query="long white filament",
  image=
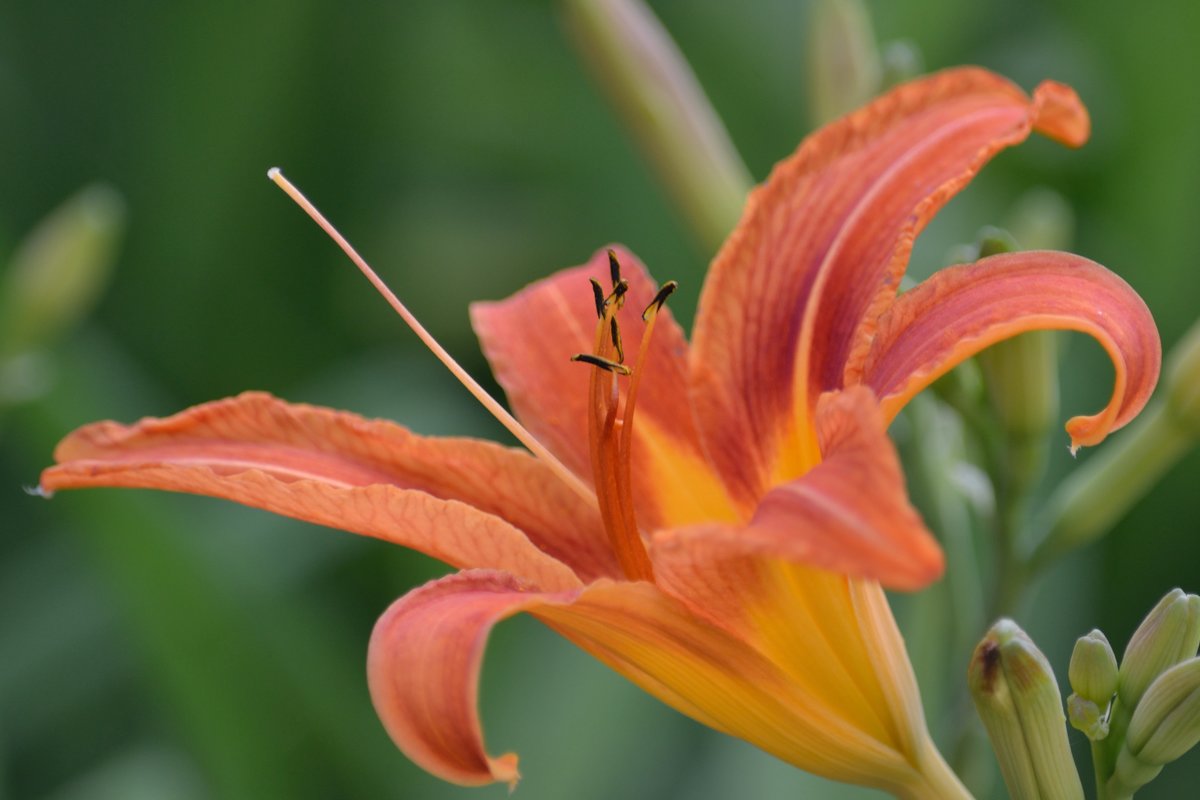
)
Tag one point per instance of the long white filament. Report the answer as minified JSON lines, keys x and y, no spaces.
{"x":494,"y":408}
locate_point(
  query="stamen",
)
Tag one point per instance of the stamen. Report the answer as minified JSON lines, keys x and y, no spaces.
{"x":650,"y":315}
{"x":665,"y":291}
{"x":486,"y":400}
{"x":614,"y":268}
{"x":616,"y":340}
{"x":598,"y":295}
{"x":602,"y":363}
{"x":618,"y":293}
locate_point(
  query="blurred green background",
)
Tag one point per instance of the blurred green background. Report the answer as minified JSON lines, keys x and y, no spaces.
{"x":156,"y":646}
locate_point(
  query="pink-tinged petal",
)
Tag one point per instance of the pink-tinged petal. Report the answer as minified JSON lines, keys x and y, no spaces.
{"x":425,"y":655}
{"x":850,"y":514}
{"x":423,"y":672}
{"x":821,"y":248}
{"x":961,"y":310}
{"x":369,"y":477}
{"x":529,"y":340}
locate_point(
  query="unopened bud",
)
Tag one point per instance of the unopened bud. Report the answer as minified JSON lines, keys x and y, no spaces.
{"x":901,"y":61}
{"x":1093,"y":676}
{"x":1017,"y":698}
{"x":1166,"y":723}
{"x":1169,"y":634}
{"x":1093,"y":670}
{"x":59,"y":270}
{"x":843,"y":70}
{"x":1183,"y":381}
{"x":1042,"y":219}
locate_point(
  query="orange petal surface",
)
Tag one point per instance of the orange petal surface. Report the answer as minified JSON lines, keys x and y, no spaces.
{"x":368,"y":477}
{"x":961,"y":310}
{"x":821,"y":248}
{"x":850,"y":514}
{"x":425,"y":655}
{"x":423,"y":672}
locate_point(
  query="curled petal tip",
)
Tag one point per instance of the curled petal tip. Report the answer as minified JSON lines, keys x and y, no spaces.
{"x":1060,"y":114}
{"x":504,"y":770}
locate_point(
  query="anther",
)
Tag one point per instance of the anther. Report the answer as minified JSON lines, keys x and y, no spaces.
{"x":598,"y":294}
{"x":659,"y":299}
{"x":616,"y":340}
{"x":618,"y":293}
{"x":614,"y":268}
{"x":602,"y":363}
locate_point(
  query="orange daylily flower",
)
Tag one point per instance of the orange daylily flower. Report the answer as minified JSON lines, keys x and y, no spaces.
{"x":726,"y":550}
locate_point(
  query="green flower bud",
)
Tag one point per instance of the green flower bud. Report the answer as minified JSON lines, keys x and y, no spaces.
{"x":1093,"y":670}
{"x":1042,"y":220}
{"x":1166,"y":723}
{"x":58,"y":271}
{"x":1183,"y":381}
{"x":1017,"y":698}
{"x":1169,"y":634}
{"x":901,"y":61}
{"x":843,"y":70}
{"x":1093,"y":676}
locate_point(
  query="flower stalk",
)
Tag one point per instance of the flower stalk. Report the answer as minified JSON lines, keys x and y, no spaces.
{"x":656,"y":93}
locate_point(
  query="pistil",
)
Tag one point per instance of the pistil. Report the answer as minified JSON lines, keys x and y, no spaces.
{"x":610,"y":432}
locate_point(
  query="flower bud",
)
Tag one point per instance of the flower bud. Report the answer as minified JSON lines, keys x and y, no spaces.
{"x":843,"y":70}
{"x":1017,"y":698}
{"x":900,"y":61}
{"x":59,"y":270}
{"x":1093,"y":676}
{"x":1166,"y":723}
{"x":1093,"y":670}
{"x":1169,"y":634}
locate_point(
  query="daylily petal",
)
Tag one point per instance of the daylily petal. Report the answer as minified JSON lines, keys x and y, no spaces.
{"x":850,"y":514}
{"x":529,"y":340}
{"x":961,"y":310}
{"x":369,"y":477}
{"x":822,"y":246}
{"x":806,"y":622}
{"x":722,"y":681}
{"x":425,"y":654}
{"x":423,"y":671}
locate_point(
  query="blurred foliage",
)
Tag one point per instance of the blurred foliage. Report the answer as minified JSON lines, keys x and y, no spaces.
{"x":162,"y":646}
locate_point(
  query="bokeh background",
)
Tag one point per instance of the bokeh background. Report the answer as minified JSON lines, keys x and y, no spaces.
{"x":156,"y":646}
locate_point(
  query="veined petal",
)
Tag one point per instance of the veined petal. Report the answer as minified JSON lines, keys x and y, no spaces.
{"x":423,"y":671}
{"x":821,"y":248}
{"x":724,"y":682}
{"x":529,"y":340}
{"x":850,"y":514}
{"x":806,"y":622}
{"x":961,"y":310}
{"x":425,"y":654}
{"x":369,"y":477}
